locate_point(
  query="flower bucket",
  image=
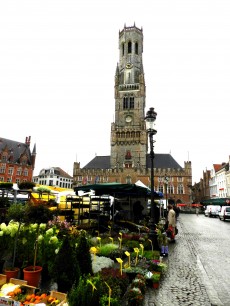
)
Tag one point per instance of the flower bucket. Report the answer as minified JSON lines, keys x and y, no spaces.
{"x":11,"y":273}
{"x":32,"y":275}
{"x":156,"y":285}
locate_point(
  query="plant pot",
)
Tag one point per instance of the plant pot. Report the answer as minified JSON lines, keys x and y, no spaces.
{"x":32,"y":275}
{"x":156,"y":285}
{"x":11,"y":273}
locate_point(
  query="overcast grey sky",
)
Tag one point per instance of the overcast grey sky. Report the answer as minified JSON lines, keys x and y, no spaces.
{"x":57,"y":68}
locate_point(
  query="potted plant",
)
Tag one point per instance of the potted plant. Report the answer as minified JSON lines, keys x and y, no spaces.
{"x":37,"y":214}
{"x":16,"y":216}
{"x":66,"y":268}
{"x":134,"y":296}
{"x":156,"y":279}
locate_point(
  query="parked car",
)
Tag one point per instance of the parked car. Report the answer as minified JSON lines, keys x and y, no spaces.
{"x":212,"y":211}
{"x":224,"y":213}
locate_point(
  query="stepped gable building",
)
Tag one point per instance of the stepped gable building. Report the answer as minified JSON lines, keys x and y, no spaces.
{"x":17,"y":162}
{"x":129,"y":160}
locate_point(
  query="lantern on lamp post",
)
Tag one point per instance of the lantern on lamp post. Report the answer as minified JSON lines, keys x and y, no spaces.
{"x":151,"y":130}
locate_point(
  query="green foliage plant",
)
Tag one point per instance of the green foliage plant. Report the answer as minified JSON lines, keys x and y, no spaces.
{"x":83,"y":292}
{"x":107,"y":249}
{"x":26,"y":185}
{"x":6,"y":241}
{"x":156,"y":277}
{"x":149,"y":254}
{"x":66,"y":269}
{"x":38,"y":214}
{"x":117,"y":281}
{"x":131,"y":244}
{"x":104,"y":301}
{"x":16,"y":213}
{"x":6,"y":185}
{"x":83,"y":254}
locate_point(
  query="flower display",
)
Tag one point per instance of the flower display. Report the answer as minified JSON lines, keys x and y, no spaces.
{"x":139,"y":283}
{"x":100,"y":262}
{"x":135,"y":296}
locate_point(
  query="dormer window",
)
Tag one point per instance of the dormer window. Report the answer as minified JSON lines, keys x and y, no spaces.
{"x":4,"y":158}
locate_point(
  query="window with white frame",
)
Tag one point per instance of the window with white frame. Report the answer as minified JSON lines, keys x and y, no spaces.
{"x":160,"y":188}
{"x":170,"y":189}
{"x":19,"y":171}
{"x":10,"y":170}
{"x":2,"y":169}
{"x":180,"y":189}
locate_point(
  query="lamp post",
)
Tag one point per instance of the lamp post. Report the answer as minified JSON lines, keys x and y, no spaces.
{"x":151,"y":130}
{"x":166,"y":180}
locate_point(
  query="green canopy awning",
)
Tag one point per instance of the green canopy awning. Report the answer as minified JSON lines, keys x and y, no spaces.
{"x":217,"y":201}
{"x":117,"y":189}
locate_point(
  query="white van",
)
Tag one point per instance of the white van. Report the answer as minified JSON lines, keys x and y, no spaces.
{"x":224,"y":213}
{"x":212,"y":211}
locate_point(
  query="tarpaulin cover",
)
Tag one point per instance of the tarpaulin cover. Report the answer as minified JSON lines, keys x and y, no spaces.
{"x":117,"y":189}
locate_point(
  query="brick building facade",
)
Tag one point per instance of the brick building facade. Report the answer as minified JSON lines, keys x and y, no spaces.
{"x":17,"y":162}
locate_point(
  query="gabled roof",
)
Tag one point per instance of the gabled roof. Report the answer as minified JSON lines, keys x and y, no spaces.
{"x":61,"y":172}
{"x":99,"y":162}
{"x":55,"y":170}
{"x":160,"y":161}
{"x":217,"y":167}
{"x":16,"y":149}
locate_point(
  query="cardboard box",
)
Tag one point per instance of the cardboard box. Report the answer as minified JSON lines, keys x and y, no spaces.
{"x":59,"y":295}
{"x":14,"y":281}
{"x":8,"y":302}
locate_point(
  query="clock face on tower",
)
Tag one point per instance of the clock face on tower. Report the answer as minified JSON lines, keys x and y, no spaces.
{"x":129,"y":65}
{"x":128,"y":119}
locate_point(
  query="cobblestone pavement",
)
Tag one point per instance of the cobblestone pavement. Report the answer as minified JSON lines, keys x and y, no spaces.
{"x":194,"y":275}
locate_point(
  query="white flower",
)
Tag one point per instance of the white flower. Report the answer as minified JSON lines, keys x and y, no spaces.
{"x":40,"y":238}
{"x":100,"y":262}
{"x":49,"y":232}
{"x":53,"y":240}
{"x":56,"y":251}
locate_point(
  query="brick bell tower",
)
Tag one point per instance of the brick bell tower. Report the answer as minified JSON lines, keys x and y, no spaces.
{"x":129,"y":142}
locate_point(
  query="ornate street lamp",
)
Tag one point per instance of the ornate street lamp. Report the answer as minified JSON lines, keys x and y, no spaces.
{"x":166,"y":181}
{"x":151,"y":130}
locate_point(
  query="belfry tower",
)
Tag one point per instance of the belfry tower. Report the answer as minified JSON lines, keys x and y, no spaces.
{"x":129,"y":141}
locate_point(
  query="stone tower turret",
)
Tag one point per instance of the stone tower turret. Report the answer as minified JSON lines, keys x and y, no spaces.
{"x":128,"y":133}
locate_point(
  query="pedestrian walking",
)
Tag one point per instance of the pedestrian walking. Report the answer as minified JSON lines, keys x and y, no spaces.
{"x":171,"y":221}
{"x":197,"y":211}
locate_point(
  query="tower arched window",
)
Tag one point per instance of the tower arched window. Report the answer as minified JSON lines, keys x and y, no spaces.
{"x":125,"y":102}
{"x":132,"y":102}
{"x":123,"y":49}
{"x":136,"y":48}
{"x":128,"y":103}
{"x":129,"y":47}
